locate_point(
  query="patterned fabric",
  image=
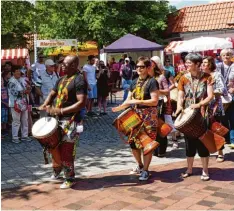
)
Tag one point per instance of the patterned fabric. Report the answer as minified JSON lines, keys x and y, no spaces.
{"x":195,"y":89}
{"x":216,"y":106}
{"x":4,"y":115}
{"x":15,"y":89}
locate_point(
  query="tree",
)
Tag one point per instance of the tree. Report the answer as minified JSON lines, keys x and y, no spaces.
{"x":102,"y":21}
{"x":17,"y":20}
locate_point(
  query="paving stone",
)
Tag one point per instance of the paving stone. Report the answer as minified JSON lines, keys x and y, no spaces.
{"x":206,"y":203}
{"x":222,"y":195}
{"x":211,"y":188}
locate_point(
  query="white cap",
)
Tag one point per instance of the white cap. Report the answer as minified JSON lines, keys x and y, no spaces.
{"x":49,"y":62}
{"x":158,"y":62}
{"x":127,"y":59}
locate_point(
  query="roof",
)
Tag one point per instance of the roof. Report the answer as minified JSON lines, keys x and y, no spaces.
{"x":131,"y":43}
{"x":216,"y":16}
{"x":14,"y":53}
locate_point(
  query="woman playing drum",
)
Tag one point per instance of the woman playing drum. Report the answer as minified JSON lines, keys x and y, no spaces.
{"x":215,"y":109}
{"x":165,"y":109}
{"x":195,"y":91}
{"x":144,"y":95}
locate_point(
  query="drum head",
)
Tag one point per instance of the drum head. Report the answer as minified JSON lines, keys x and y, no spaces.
{"x":184,"y":117}
{"x":43,"y":127}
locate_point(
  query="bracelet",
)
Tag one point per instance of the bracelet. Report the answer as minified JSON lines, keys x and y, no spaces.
{"x":61,"y":111}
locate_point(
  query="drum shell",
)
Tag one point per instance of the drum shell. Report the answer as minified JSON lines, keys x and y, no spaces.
{"x":163,"y":128}
{"x":212,"y":141}
{"x":194,"y":127}
{"x":219,"y":129}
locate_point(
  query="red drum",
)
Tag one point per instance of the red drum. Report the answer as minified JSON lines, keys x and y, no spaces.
{"x":127,"y":121}
{"x":163,"y":128}
{"x":46,"y":131}
{"x":212,"y":141}
{"x":219,"y":129}
{"x":191,"y":123}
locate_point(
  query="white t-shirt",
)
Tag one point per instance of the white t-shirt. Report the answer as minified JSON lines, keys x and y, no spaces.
{"x":91,"y":74}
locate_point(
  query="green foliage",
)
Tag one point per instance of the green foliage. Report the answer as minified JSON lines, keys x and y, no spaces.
{"x":101,"y":21}
{"x":17,"y":19}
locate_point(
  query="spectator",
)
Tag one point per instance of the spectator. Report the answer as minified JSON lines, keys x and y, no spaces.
{"x":102,"y":87}
{"x":181,"y":67}
{"x":8,"y":67}
{"x":4,"y":104}
{"x":59,"y":67}
{"x":126,"y":73}
{"x":217,"y":58}
{"x":89,"y":72}
{"x":111,"y":63}
{"x":46,"y":82}
{"x":18,"y":92}
{"x":169,"y":67}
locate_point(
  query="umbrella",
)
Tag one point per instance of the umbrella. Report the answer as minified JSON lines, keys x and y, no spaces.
{"x":203,"y":44}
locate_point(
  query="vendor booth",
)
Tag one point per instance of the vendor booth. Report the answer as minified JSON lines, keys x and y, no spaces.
{"x":18,"y":56}
{"x":133,"y":46}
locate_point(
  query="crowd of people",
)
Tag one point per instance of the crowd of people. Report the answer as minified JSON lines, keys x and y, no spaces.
{"x":201,"y":83}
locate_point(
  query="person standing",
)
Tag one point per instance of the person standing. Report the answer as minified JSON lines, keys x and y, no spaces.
{"x":226,"y":68}
{"x":70,"y":92}
{"x":18,"y":102}
{"x":169,"y":67}
{"x":195,"y":91}
{"x":46,"y":81}
{"x":102,"y":87}
{"x":89,"y":72}
{"x":144,"y":95}
{"x":126,"y":74}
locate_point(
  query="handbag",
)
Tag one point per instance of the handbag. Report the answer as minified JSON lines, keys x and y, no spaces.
{"x":20,"y":105}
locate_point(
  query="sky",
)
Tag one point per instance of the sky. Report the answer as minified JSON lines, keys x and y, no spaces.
{"x":183,"y":3}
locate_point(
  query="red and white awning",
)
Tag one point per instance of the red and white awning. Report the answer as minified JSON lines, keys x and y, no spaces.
{"x":14,"y":53}
{"x":231,"y":39}
{"x":170,"y":48}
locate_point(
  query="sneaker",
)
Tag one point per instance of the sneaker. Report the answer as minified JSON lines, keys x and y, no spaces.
{"x":175,"y":145}
{"x":54,"y":177}
{"x":67,"y":184}
{"x":231,"y":146}
{"x":16,"y":141}
{"x":205,"y":177}
{"x":26,"y":139}
{"x":136,"y":170}
{"x":144,"y":176}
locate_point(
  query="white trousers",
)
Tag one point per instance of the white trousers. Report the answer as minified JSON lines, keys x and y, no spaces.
{"x":168,"y":120}
{"x":19,"y":120}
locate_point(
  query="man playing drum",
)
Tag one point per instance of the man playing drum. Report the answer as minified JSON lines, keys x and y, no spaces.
{"x":195,"y":91}
{"x":144,"y":95}
{"x":71,"y":93}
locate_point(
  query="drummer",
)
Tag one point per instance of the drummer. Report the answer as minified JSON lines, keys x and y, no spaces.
{"x":143,"y":95}
{"x":71,"y":93}
{"x":215,"y":109}
{"x":226,"y":68}
{"x":165,"y":111}
{"x":195,"y":91}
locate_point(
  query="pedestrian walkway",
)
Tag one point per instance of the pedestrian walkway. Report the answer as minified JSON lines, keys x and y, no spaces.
{"x":120,"y":191}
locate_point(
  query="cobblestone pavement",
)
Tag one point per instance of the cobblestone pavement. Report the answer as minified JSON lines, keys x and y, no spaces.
{"x":100,"y":151}
{"x":165,"y":190}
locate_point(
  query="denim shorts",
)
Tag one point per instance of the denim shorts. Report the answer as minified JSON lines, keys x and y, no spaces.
{"x":93,"y":92}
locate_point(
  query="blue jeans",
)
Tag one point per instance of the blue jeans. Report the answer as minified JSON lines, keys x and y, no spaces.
{"x":126,"y":85}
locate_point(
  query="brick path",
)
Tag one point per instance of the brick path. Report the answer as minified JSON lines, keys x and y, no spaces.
{"x":120,"y":191}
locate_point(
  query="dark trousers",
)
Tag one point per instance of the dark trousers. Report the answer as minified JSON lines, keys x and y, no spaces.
{"x":162,"y":147}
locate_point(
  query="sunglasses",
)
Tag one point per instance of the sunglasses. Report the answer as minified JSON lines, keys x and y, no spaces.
{"x":167,"y":61}
{"x":140,"y":66}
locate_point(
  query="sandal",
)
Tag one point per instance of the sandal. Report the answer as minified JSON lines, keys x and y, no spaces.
{"x":186,"y":174}
{"x":220,"y":159}
{"x":205,"y":177}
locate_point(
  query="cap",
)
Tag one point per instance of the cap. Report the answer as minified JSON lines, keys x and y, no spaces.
{"x":127,"y":59}
{"x":49,"y":62}
{"x":157,"y":61}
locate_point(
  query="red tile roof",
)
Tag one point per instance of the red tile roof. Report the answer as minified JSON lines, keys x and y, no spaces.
{"x":206,"y":17}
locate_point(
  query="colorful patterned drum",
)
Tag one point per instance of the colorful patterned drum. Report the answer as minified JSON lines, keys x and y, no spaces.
{"x":127,"y":121}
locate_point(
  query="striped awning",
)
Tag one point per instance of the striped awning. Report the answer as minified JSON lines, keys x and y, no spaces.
{"x":14,"y":53}
{"x":170,"y":48}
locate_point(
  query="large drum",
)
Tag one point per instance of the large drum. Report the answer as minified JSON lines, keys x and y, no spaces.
{"x":127,"y":121}
{"x":191,"y":123}
{"x":46,"y":131}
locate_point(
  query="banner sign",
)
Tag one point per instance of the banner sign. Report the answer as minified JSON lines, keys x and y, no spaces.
{"x":56,"y":43}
